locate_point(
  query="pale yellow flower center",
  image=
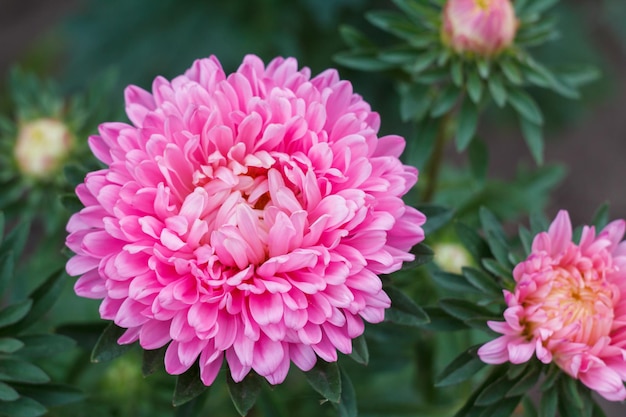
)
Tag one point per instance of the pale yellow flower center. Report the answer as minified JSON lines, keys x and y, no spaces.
{"x":483,"y":4}
{"x":583,"y":301}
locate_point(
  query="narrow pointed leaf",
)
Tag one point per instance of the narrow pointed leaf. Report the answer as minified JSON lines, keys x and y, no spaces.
{"x":496,"y":239}
{"x":51,"y":395}
{"x":325,"y":378}
{"x":347,"y":406}
{"x":7,"y":266}
{"x":472,"y":241}
{"x":549,"y":403}
{"x":10,"y":345}
{"x":107,"y":347}
{"x":423,"y":254}
{"x":524,"y":384}
{"x":533,"y":137}
{"x":454,"y":282}
{"x":14,"y":313}
{"x":360,"y":352}
{"x":415,"y":101}
{"x":361,"y":60}
{"x":474,"y":86}
{"x":354,"y":38}
{"x":511,"y":71}
{"x":601,"y":217}
{"x":403,"y":309}
{"x":441,"y":321}
{"x":466,"y":310}
{"x":456,"y":72}
{"x":498,"y":269}
{"x":526,"y":239}
{"x":22,"y":371}
{"x":438,"y":217}
{"x":22,"y":407}
{"x":482,"y":281}
{"x":188,"y":386}
{"x":44,"y":345}
{"x":445,"y":101}
{"x":7,"y":393}
{"x":495,"y":392}
{"x":462,"y":368}
{"x":525,"y":106}
{"x":497,"y":89}
{"x":468,"y":122}
{"x":44,"y":297}
{"x":152,"y":360}
{"x":16,"y":239}
{"x":245,"y":393}
{"x":505,"y":407}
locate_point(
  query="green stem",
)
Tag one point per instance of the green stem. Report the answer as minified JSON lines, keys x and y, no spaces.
{"x":434,"y":164}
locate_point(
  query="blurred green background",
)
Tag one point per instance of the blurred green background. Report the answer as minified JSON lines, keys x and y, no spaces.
{"x":76,"y":41}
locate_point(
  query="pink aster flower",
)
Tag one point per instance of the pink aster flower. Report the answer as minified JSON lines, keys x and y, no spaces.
{"x":244,"y":216}
{"x":567,"y":307}
{"x":484,"y":27}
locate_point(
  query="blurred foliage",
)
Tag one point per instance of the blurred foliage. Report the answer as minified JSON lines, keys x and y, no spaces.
{"x":405,"y":355}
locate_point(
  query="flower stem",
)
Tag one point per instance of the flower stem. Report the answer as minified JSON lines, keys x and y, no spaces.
{"x":434,"y":164}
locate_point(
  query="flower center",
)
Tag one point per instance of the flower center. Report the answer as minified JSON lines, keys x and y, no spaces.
{"x":583,"y":301}
{"x":483,"y":4}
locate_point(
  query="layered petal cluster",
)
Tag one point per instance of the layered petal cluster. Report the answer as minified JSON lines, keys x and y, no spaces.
{"x":243,"y":216}
{"x":568,"y":308}
{"x":484,"y":27}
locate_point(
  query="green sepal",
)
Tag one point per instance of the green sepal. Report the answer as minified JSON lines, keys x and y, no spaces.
{"x":107,"y":347}
{"x":245,"y":393}
{"x":347,"y":406}
{"x":188,"y":386}
{"x":152,"y":360}
{"x":325,"y":379}
{"x":360,"y":353}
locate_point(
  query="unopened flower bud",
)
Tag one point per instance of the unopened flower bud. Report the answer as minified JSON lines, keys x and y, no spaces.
{"x":451,"y":257}
{"x":41,"y":146}
{"x":483,"y":27}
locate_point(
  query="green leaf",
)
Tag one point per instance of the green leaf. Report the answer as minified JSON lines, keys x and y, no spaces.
{"x":44,"y":345}
{"x":107,"y":347}
{"x":423,"y":254}
{"x":454,"y":282}
{"x":525,"y":383}
{"x":415,"y":100}
{"x":466,"y":128}
{"x":22,"y":407}
{"x":462,"y":368}
{"x":14,"y":370}
{"x":51,"y":395}
{"x":525,"y":106}
{"x":245,"y":393}
{"x":44,"y":297}
{"x":534,"y":139}
{"x":399,"y":55}
{"x":466,"y":310}
{"x":474,"y":86}
{"x":472,"y":241}
{"x":7,"y":393}
{"x":505,"y":407}
{"x":528,"y":407}
{"x":511,"y":71}
{"x":393,"y":22}
{"x":354,"y":38}
{"x":188,"y":386}
{"x":74,"y":174}
{"x":15,"y":240}
{"x":10,"y":345}
{"x":601,"y":217}
{"x":7,"y":266}
{"x":483,"y":67}
{"x":441,"y":321}
{"x":152,"y":360}
{"x":421,"y":147}
{"x":71,"y":203}
{"x":526,"y":239}
{"x":494,"y":234}
{"x":192,"y":408}
{"x":347,"y":406}
{"x":423,"y":61}
{"x":497,"y":89}
{"x":2,"y":221}
{"x":479,"y":159}
{"x":360,"y":353}
{"x":361,"y":60}
{"x":539,"y":6}
{"x":538,"y":222}
{"x":325,"y":378}
{"x":498,"y":269}
{"x":14,"y":313}
{"x":482,"y":281}
{"x":437,"y":216}
{"x":549,"y":402}
{"x":403,"y":309}
{"x":568,"y":390}
{"x":456,"y":72}
{"x":445,"y":101}
{"x":86,"y":335}
{"x":494,"y":392}
{"x":580,"y":75}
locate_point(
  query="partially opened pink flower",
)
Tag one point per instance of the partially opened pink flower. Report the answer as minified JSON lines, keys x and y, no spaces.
{"x":484,"y":27}
{"x":568,"y":308}
{"x":245,"y":216}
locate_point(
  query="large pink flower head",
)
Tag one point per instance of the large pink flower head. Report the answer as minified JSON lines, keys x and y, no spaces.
{"x":484,"y":27}
{"x":568,"y":307}
{"x":245,"y":216}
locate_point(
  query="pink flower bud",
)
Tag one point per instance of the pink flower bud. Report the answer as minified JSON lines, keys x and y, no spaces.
{"x":484,"y":27}
{"x":41,"y":146}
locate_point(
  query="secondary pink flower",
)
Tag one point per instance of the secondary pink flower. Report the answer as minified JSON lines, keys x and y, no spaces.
{"x":567,"y":307}
{"x":484,"y":27}
{"x":245,"y":216}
